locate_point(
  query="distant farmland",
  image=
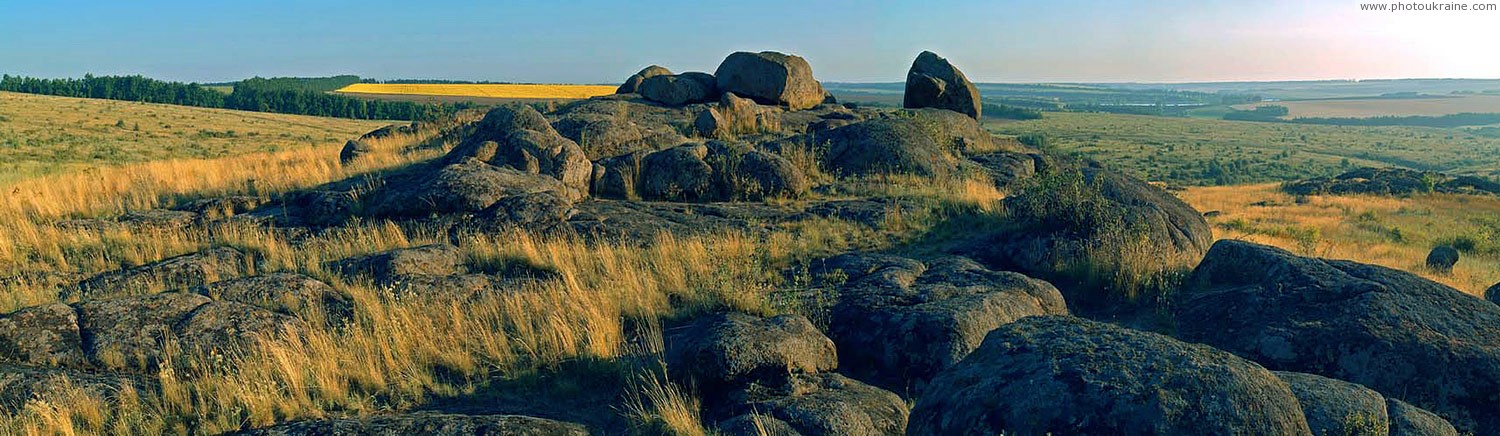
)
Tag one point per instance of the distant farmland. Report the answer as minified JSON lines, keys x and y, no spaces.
{"x":485,"y":91}
{"x":1377,"y":107}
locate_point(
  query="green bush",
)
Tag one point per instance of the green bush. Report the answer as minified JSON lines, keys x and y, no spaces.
{"x":1114,"y":256}
{"x":1033,"y":139}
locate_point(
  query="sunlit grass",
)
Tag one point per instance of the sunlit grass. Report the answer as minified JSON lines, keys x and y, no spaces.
{"x":1388,"y":231}
{"x":396,"y":353}
{"x":44,"y":135}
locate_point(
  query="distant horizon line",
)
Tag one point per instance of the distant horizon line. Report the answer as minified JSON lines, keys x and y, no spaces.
{"x":1017,"y":82}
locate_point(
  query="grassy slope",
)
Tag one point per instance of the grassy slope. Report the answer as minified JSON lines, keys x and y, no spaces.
{"x":1393,"y":232}
{"x":1153,"y":147}
{"x":48,"y":135}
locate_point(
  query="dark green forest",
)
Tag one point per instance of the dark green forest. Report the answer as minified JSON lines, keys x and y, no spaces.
{"x":298,"y":96}
{"x":1446,"y":121}
{"x":1274,"y":114}
{"x":1011,"y":112}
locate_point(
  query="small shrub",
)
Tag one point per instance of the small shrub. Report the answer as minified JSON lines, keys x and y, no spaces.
{"x":1463,"y":243}
{"x":1035,"y":140}
{"x":1117,"y":256}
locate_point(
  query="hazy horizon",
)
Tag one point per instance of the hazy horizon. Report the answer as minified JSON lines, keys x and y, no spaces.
{"x":845,"y":41}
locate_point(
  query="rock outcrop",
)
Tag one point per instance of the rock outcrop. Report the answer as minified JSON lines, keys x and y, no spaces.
{"x":935,"y":83}
{"x":523,"y":140}
{"x":353,"y":150}
{"x":825,"y":404}
{"x":468,"y":186}
{"x":923,"y":142}
{"x":1392,"y":331}
{"x":1063,"y":375}
{"x":1391,"y":181}
{"x":692,"y":172}
{"x":633,"y":83}
{"x":389,"y":267}
{"x":285,"y":293}
{"x":680,"y":89}
{"x":732,"y":348}
{"x":776,"y":371}
{"x":1409,"y":420}
{"x":770,"y":78}
{"x":885,"y":146}
{"x":130,"y":333}
{"x":1067,"y":218}
{"x":607,"y":128}
{"x":45,"y":335}
{"x":1338,"y":407}
{"x":188,"y":270}
{"x":899,"y":322}
{"x":1442,"y":259}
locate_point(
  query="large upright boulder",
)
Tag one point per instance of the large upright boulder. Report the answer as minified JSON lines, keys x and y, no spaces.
{"x":770,"y":78}
{"x":1404,"y":336}
{"x":1064,"y":375}
{"x":899,"y":322}
{"x":633,"y":83}
{"x":680,"y":89}
{"x":933,"y":82}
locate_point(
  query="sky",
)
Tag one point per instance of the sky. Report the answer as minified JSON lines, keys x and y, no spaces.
{"x":590,"y":41}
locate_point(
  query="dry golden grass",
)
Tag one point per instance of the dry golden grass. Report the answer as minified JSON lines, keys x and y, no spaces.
{"x":42,"y":135}
{"x":396,"y":348}
{"x":1392,"y":232}
{"x":483,"y":90}
{"x":396,"y":353}
{"x":30,"y":242}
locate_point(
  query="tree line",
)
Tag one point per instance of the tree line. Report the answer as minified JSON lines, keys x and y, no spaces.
{"x":296,"y":96}
{"x":1011,"y":112}
{"x":1274,"y":114}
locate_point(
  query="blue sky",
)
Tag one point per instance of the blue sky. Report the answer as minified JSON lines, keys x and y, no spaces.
{"x":604,"y":41}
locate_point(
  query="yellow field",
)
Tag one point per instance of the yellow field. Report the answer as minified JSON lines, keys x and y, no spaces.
{"x":1378,"y":107}
{"x":486,"y":91}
